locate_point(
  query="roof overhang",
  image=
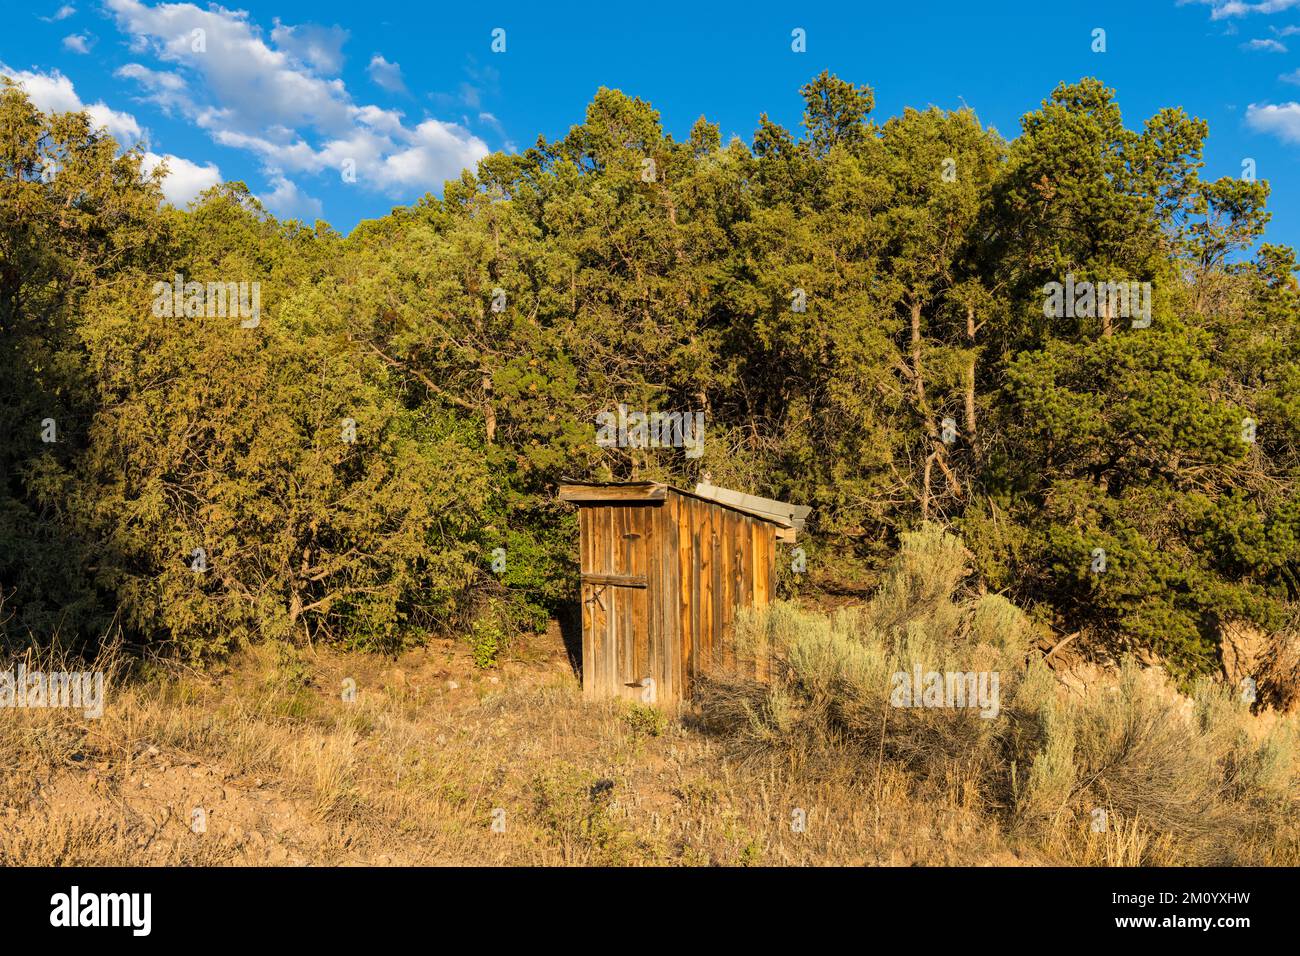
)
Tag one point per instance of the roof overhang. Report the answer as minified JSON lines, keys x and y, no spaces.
{"x":788,"y":518}
{"x":614,"y":491}
{"x":780,"y":512}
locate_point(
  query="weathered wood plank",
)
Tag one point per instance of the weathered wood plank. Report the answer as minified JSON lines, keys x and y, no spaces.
{"x":745,"y":544}
{"x":707,"y":516}
{"x":727,"y":584}
{"x":631,"y":543}
{"x":640,"y":607}
{"x":762,"y":583}
{"x":687,"y":663}
{"x":654,"y":632}
{"x":697,"y":652}
{"x":597,"y":493}
{"x":609,"y":515}
{"x":617,"y":580}
{"x":721,"y":646}
{"x":667,"y":603}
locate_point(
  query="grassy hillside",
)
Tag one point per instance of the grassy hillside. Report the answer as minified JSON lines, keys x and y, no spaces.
{"x":817,"y":769}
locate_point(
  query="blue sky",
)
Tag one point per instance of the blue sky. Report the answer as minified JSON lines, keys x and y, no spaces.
{"x":292,"y":96}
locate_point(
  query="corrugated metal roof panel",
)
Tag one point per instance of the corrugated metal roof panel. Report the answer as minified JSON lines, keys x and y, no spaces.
{"x":782,"y":512}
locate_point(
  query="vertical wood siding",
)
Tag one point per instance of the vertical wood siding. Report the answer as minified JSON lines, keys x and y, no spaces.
{"x":666,"y":578}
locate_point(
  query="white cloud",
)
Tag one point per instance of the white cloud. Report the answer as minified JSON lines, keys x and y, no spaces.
{"x":54,"y":93}
{"x":432,"y":152}
{"x":385,"y":74}
{"x":1292,"y":77}
{"x":317,"y":46}
{"x":1282,"y":121}
{"x":253,"y":84}
{"x":250,"y":95}
{"x":155,"y":80}
{"x":167,"y":90}
{"x":1226,"y":9}
{"x":185,"y":180}
{"x":491,"y":120}
{"x":1267,"y":46}
{"x":289,"y":202}
{"x":62,"y":13}
{"x":437,"y":152}
{"x":78,"y":42}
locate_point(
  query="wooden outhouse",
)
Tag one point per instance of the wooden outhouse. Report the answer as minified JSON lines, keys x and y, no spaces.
{"x":663,"y":572}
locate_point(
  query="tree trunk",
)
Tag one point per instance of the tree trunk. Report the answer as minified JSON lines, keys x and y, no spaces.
{"x":489,"y":408}
{"x":917,"y":382}
{"x":925,"y":486}
{"x":970,"y":376}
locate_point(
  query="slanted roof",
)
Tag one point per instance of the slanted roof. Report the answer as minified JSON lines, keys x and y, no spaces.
{"x":782,"y":512}
{"x":787,"y":516}
{"x":613,"y":491}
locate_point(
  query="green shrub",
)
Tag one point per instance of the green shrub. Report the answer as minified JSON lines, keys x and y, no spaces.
{"x":486,"y":640}
{"x":645,"y":721}
{"x":578,"y":810}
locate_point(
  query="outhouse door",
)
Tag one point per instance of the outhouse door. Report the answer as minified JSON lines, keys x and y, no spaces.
{"x":616,"y":639}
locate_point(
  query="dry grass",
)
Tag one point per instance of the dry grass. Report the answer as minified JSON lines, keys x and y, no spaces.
{"x":437,"y":761}
{"x":415,"y":772}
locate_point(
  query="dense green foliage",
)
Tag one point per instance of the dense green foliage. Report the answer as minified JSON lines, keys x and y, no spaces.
{"x":827,"y":300}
